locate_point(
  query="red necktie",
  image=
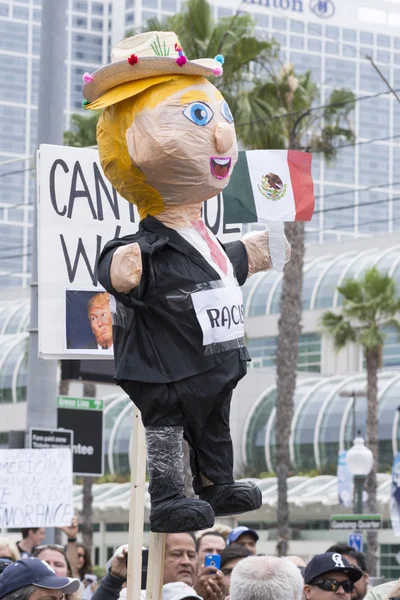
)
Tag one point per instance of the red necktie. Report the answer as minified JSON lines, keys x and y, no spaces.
{"x":216,"y":253}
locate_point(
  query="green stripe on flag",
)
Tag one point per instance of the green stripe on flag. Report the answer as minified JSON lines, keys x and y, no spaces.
{"x":239,"y":205}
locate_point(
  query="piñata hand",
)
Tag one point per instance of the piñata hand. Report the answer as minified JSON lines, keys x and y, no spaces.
{"x":126,"y":268}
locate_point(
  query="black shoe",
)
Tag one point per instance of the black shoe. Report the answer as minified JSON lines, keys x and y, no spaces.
{"x":232,"y":498}
{"x":181,"y":515}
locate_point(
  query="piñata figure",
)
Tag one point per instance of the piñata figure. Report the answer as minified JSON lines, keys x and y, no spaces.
{"x":167,"y":143}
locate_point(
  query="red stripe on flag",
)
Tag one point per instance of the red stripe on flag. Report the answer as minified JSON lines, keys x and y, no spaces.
{"x":302,"y":184}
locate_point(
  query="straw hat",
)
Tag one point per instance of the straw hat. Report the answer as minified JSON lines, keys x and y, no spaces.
{"x":146,"y":55}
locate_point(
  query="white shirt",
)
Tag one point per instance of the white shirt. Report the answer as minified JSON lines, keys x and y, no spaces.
{"x":197,"y":241}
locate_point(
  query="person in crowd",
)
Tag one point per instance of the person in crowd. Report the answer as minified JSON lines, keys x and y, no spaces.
{"x":111,"y":585}
{"x":299,"y":563}
{"x":56,"y":556}
{"x":32,"y":578}
{"x":8,"y":549}
{"x":30,"y":538}
{"x":180,"y":564}
{"x":330,"y":576}
{"x":266,"y":578}
{"x":90,"y":586}
{"x":72,"y":550}
{"x":84,"y":562}
{"x":178,"y":591}
{"x":385,"y":591}
{"x":357,"y":559}
{"x":210,"y":542}
{"x":229,"y":559}
{"x":245,"y":537}
{"x":224,"y":530}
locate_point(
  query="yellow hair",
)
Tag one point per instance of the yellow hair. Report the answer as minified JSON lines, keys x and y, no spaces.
{"x":115,"y":120}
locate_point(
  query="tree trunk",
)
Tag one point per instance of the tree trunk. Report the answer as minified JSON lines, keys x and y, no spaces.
{"x":63,"y":390}
{"x":286,"y":364}
{"x":89,"y":391}
{"x":372,"y":360}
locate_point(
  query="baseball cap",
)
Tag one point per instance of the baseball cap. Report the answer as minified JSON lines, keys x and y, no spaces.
{"x":33,"y":571}
{"x":330,"y":562}
{"x":238,"y":531}
{"x":178,"y":591}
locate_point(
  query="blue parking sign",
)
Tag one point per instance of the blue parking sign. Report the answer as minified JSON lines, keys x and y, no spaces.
{"x":355,"y":541}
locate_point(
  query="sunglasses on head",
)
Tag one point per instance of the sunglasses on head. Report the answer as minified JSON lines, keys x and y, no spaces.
{"x":332,"y":585}
{"x":50,"y":547}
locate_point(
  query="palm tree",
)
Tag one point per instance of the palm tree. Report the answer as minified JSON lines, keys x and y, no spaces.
{"x":369,"y":305}
{"x":83,"y":133}
{"x":292,"y":122}
{"x":233,"y":37}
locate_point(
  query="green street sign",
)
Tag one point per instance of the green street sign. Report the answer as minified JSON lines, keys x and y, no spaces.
{"x":356,"y":522}
{"x":80,"y":403}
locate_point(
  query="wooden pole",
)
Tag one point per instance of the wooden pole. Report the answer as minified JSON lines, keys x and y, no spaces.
{"x":155,"y":568}
{"x":136,"y":509}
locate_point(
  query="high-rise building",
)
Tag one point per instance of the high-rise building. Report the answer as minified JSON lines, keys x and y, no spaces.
{"x":357,"y":195}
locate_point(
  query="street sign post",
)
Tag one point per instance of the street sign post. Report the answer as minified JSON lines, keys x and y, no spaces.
{"x":85,"y":417}
{"x":355,"y":540}
{"x":356,"y":522}
{"x":51,"y":438}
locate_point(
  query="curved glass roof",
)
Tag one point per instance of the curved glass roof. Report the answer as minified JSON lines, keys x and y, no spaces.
{"x":113,"y":499}
{"x":321,"y":277}
{"x":322,"y":422}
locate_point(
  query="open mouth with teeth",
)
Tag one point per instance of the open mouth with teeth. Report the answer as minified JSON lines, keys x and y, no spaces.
{"x":220,"y":167}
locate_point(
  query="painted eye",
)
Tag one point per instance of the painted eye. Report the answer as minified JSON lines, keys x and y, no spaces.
{"x":199,"y":113}
{"x":226,"y":112}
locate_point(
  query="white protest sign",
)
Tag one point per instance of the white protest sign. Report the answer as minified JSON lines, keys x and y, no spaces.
{"x":36,"y":488}
{"x":78,"y":213}
{"x":220,"y":314}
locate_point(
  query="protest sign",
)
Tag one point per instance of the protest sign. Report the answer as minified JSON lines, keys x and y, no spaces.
{"x":36,"y":488}
{"x":78,"y":213}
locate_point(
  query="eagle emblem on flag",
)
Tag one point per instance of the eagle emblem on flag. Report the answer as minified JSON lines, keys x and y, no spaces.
{"x":272,"y":187}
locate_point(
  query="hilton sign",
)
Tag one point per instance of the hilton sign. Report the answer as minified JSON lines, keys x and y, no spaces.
{"x":290,"y":5}
{"x":323,"y":9}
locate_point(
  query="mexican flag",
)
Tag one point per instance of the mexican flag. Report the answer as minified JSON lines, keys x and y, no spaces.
{"x":270,"y":185}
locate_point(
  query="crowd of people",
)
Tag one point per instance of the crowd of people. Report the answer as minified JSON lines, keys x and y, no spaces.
{"x":31,"y":570}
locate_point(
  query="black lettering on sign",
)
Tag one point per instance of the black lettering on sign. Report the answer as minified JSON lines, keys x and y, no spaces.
{"x":232,"y":230}
{"x":53,"y":185}
{"x":113,"y":201}
{"x":75,"y":193}
{"x":214,"y":228}
{"x":81,"y":251}
{"x":225,"y":317}
{"x":235,"y":319}
{"x":131,"y":212}
{"x":213,"y":315}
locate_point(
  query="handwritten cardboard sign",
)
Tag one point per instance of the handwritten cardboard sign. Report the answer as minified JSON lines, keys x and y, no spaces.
{"x":36,"y":488}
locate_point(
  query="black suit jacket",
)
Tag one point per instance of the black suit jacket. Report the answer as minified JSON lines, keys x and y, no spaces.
{"x":157,"y":337}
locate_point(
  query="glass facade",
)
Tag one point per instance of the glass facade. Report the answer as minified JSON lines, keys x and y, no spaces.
{"x":323,"y":422}
{"x":263,"y":352}
{"x":86,"y":50}
{"x":336,"y":55}
{"x":321,"y":278}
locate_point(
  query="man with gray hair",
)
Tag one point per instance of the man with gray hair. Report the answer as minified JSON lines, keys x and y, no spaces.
{"x":266,"y":578}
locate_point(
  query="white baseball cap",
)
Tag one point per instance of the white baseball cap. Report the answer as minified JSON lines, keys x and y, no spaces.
{"x":178,"y":591}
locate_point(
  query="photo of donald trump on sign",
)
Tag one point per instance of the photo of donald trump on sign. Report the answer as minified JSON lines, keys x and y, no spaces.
{"x":89,"y":322}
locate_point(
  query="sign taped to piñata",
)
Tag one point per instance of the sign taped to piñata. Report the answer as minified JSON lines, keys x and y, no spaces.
{"x":78,"y":213}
